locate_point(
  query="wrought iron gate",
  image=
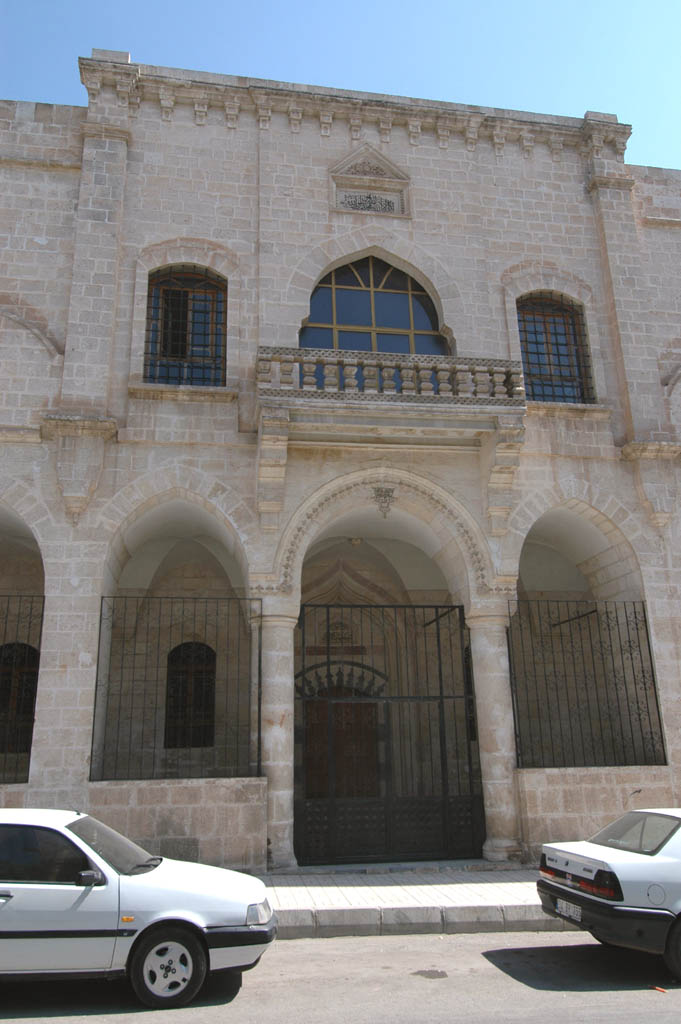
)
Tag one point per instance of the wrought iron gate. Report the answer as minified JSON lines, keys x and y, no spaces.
{"x":386,"y":759}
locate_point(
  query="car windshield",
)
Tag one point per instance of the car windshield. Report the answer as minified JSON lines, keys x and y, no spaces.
{"x":121,"y":853}
{"x":638,"y":832}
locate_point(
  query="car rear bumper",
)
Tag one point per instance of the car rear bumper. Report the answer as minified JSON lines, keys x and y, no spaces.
{"x":633,"y":927}
{"x":241,"y":946}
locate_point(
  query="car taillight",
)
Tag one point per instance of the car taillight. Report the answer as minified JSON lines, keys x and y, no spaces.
{"x":548,"y":872}
{"x":605,"y":884}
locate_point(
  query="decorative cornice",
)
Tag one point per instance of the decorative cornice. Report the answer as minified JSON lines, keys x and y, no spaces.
{"x":593,"y":134}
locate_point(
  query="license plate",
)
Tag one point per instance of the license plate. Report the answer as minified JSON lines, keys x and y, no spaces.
{"x":568,"y":910}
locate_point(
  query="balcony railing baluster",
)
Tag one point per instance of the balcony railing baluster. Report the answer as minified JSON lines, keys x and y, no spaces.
{"x":390,"y":376}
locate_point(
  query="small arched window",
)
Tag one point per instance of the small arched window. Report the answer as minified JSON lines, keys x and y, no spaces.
{"x":554,"y":350}
{"x":186,"y":327}
{"x":370,"y":306}
{"x":190,"y":696}
{"x":18,"y":686}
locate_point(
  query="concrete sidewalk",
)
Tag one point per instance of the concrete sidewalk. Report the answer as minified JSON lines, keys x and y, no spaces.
{"x":382,"y":899}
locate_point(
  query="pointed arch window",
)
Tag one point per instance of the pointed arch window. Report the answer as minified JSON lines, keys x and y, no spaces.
{"x":186,"y":327}
{"x":18,"y":686}
{"x":190,"y":696}
{"x":370,"y":306}
{"x":554,"y":350}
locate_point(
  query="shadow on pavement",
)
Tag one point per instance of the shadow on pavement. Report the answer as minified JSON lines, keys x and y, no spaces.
{"x":586,"y":968}
{"x":22,"y":999}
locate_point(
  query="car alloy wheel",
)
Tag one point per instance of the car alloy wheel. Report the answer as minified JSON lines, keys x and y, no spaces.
{"x":168,"y":967}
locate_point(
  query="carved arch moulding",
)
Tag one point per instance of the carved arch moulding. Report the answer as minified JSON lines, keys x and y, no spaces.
{"x":368,"y":489}
{"x":396,"y":249}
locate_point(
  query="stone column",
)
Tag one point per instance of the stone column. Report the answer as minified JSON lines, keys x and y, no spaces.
{"x":496,"y":733}
{"x":277,"y":734}
{"x":62,"y":732}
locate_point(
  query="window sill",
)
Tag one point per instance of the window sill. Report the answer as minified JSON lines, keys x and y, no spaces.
{"x":182,"y":392}
{"x":569,"y":410}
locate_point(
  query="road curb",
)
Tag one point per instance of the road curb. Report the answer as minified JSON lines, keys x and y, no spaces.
{"x":321,"y":923}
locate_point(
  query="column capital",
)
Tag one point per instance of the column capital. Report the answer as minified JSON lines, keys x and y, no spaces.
{"x":492,"y":616}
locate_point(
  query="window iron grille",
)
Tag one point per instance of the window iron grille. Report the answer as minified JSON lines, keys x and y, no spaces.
{"x":178,"y":689}
{"x":554,"y":349}
{"x":186,"y":327}
{"x":583,"y":685}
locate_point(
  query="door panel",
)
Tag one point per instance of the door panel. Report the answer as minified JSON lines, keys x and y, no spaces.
{"x":47,"y":922}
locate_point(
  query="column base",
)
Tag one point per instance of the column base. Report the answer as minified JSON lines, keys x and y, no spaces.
{"x":502,"y":849}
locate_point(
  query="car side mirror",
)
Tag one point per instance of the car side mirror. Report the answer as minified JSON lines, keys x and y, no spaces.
{"x":90,"y":877}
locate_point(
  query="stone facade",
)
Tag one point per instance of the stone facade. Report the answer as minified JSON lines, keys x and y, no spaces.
{"x":329,"y":475}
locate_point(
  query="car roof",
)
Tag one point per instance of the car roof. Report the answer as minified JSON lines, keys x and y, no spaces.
{"x":674,"y":812}
{"x":37,"y":816}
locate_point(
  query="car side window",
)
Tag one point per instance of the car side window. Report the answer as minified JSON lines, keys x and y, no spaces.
{"x":32,"y":854}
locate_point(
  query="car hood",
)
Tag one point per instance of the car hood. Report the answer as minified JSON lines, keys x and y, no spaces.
{"x":182,"y":884}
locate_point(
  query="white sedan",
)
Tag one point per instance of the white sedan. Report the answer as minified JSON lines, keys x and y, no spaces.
{"x":79,"y":899}
{"x":623,"y":885}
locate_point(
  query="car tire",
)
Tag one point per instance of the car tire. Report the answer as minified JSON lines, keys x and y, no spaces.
{"x":167,"y":967}
{"x":672,"y":953}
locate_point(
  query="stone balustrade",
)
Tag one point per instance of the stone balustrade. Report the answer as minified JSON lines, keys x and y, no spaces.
{"x":385,"y":376}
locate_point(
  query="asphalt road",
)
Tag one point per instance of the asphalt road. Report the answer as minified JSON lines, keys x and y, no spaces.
{"x":526,"y":977}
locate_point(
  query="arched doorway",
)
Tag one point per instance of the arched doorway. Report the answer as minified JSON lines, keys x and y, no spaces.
{"x":386,"y":745}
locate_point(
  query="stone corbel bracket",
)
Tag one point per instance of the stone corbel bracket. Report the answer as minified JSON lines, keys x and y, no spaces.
{"x":80,"y":443}
{"x":273,"y":431}
{"x":655,"y":484}
{"x":503,"y":449}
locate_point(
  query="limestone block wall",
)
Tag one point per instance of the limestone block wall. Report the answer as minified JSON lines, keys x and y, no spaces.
{"x":214,"y":821}
{"x":563,"y":804}
{"x":40,"y":165}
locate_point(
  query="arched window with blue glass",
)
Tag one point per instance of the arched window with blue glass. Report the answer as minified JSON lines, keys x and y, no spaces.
{"x":370,"y":306}
{"x":553,"y":345}
{"x":186,"y":327}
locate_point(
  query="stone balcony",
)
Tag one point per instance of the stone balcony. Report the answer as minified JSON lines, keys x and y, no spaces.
{"x":337,"y":398}
{"x":333,"y":374}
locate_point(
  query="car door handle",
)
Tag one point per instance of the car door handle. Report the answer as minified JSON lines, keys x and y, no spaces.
{"x":4,"y":896}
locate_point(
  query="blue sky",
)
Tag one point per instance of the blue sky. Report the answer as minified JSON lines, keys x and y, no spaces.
{"x":616,"y":56}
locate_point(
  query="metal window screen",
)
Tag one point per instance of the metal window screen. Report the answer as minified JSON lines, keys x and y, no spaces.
{"x":178,"y":688}
{"x":583,"y":684}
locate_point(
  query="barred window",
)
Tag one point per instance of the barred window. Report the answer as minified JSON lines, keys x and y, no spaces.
{"x":186,"y":327}
{"x":190,"y":696}
{"x":18,"y":685}
{"x":370,"y":306}
{"x":554,"y":350}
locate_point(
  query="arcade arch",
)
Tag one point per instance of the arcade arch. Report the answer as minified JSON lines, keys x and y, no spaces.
{"x":22,"y":587}
{"x":176,"y":634}
{"x":582,"y":671}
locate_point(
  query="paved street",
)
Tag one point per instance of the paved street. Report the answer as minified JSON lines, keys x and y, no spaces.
{"x":480,"y":979}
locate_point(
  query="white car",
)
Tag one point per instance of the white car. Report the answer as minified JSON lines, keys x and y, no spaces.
{"x":623,"y":885}
{"x":79,"y":899}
